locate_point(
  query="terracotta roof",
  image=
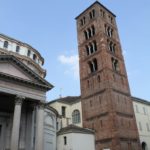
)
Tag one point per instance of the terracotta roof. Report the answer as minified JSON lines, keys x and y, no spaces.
{"x":67,"y":100}
{"x":96,"y":2}
{"x":74,"y":129}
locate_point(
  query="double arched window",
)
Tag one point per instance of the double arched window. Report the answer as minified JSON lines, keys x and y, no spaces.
{"x":109,"y":31}
{"x":115,"y":64}
{"x":76,"y":117}
{"x":92,"y":14}
{"x":112,"y":47}
{"x":91,"y":47}
{"x":93,"y":66}
{"x":90,"y":32}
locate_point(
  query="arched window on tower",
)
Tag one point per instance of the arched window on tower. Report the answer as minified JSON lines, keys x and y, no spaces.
{"x":112,"y":47}
{"x":89,"y":33}
{"x":92,"y":14}
{"x":82,"y":21}
{"x":93,"y":65}
{"x":93,"y":30}
{"x":108,"y":31}
{"x":5,"y":44}
{"x":86,"y":35}
{"x":115,"y":64}
{"x":95,"y":46}
{"x":91,"y":48}
{"x":87,"y":50}
{"x":76,"y":117}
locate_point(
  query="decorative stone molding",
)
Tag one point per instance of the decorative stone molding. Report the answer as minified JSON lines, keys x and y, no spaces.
{"x":19,"y":100}
{"x":41,"y":105}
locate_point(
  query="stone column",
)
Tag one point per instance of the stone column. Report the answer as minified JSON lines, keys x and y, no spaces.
{"x":16,"y":123}
{"x":39,"y":142}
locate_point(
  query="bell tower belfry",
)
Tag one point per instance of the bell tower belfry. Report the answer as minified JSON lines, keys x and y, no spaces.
{"x":105,"y":94}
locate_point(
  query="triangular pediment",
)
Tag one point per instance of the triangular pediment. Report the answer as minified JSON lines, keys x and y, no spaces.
{"x":14,"y":69}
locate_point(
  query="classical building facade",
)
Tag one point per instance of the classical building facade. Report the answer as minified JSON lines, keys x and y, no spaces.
{"x":105,"y":95}
{"x":69,"y":110}
{"x":142,"y":114}
{"x":26,"y":122}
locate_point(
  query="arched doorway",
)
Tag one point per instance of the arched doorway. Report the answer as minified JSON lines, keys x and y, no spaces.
{"x":144,"y":145}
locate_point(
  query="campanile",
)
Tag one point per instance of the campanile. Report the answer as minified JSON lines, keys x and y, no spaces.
{"x":105,"y":94}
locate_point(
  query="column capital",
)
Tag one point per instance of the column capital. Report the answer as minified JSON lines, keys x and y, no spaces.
{"x":19,"y":99}
{"x":41,"y":104}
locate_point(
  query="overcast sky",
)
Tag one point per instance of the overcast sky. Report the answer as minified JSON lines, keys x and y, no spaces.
{"x":50,"y":27}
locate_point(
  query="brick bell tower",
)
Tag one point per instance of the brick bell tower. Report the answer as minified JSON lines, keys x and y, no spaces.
{"x":105,"y":94}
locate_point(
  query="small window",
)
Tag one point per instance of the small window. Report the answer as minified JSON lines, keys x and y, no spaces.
{"x":34,"y":57}
{"x":92,"y":14}
{"x":82,"y":21}
{"x":112,"y":47}
{"x":87,"y":50}
{"x":86,"y":35}
{"x":76,"y":117}
{"x":17,"y":49}
{"x":91,"y":48}
{"x":111,"y":19}
{"x":57,"y":126}
{"x":6,"y":44}
{"x":63,"y":111}
{"x":93,"y":65}
{"x":28,"y":53}
{"x":95,"y":46}
{"x":93,"y":30}
{"x":89,"y":32}
{"x":102,"y":13}
{"x":65,"y":140}
{"x":115,"y":64}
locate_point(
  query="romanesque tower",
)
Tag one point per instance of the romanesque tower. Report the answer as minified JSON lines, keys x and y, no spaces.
{"x":105,"y":94}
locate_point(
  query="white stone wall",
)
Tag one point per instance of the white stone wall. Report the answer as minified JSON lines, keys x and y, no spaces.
{"x":49,"y":130}
{"x":69,"y":110}
{"x":23,"y":49}
{"x":142,"y":114}
{"x":76,"y":141}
